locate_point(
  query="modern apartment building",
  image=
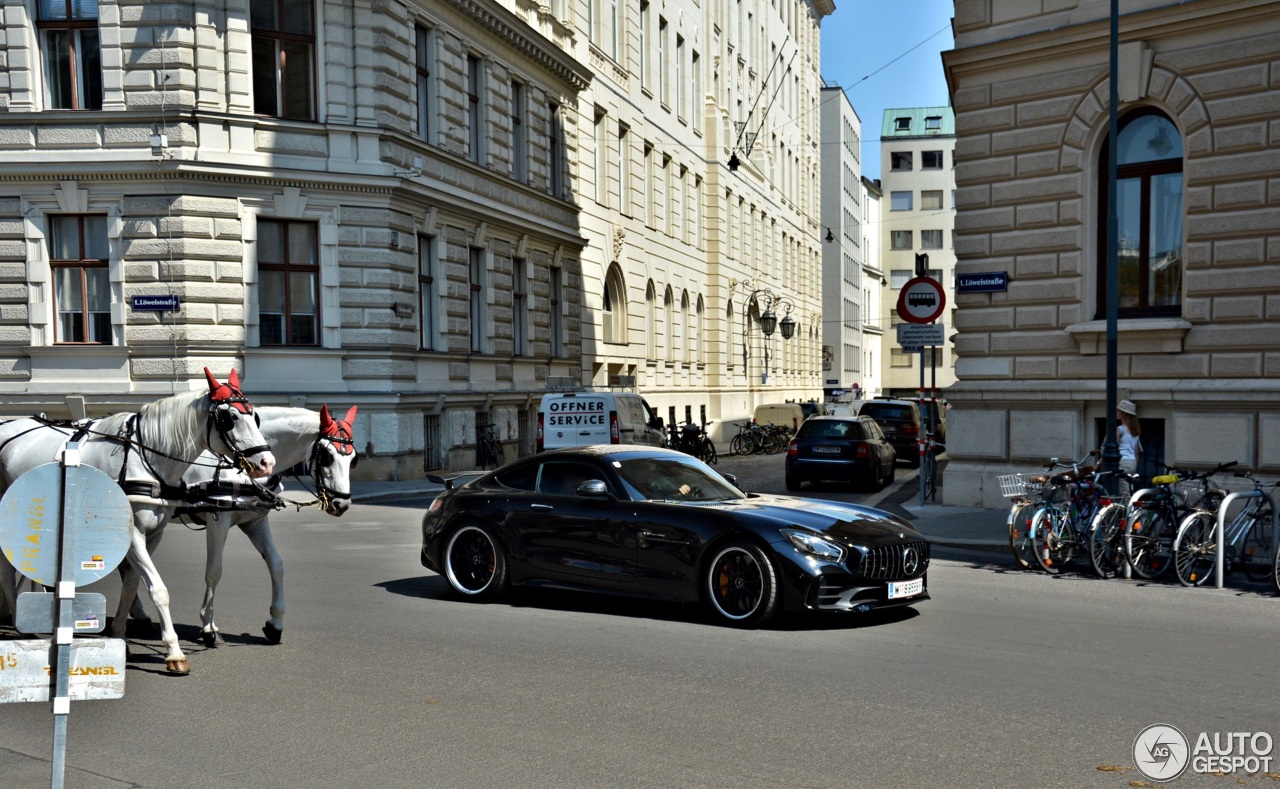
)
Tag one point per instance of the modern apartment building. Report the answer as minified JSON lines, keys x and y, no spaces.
{"x":917,"y":172}
{"x":845,"y":285}
{"x":434,"y":210}
{"x":1198,"y":160}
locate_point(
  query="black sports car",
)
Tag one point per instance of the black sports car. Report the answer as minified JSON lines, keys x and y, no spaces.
{"x":659,"y":523}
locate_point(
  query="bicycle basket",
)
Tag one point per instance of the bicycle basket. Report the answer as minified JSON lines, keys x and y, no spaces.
{"x":1014,"y":486}
{"x":1192,"y":492}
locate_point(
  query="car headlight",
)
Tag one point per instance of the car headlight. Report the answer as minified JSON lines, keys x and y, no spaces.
{"x":812,"y":544}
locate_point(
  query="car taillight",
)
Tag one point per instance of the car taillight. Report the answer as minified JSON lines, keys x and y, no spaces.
{"x":863,"y":451}
{"x":910,"y":430}
{"x":615,"y":430}
{"x":793,"y":449}
{"x":540,"y":440}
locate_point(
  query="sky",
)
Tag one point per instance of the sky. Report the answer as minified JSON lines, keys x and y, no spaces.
{"x":886,"y":56}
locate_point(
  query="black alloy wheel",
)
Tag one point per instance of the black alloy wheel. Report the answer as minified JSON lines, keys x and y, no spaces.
{"x":474,"y":564}
{"x":740,"y":584}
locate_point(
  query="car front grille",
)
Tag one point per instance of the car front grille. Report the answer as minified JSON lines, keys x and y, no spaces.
{"x":895,"y":562}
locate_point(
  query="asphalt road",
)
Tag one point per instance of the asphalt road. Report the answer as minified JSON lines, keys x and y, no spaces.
{"x":1004,"y":679}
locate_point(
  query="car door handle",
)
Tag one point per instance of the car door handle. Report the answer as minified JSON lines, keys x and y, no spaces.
{"x":541,"y":507}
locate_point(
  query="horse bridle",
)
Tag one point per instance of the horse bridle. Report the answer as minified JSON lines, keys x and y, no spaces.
{"x":221,"y":419}
{"x":320,"y":459}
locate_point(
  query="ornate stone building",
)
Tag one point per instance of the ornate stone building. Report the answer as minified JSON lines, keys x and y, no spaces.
{"x":1199,"y":239}
{"x":434,"y":210}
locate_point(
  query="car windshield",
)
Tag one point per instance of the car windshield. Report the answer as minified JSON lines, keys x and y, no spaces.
{"x":885,"y":411}
{"x":673,"y":479}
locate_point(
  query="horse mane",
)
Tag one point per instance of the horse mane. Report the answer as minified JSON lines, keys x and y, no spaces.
{"x":175,"y":425}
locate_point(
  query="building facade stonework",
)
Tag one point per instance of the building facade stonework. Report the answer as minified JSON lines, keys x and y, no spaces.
{"x":1198,"y":243}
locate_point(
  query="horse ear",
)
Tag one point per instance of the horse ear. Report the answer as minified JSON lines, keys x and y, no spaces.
{"x":213,"y":382}
{"x":351,"y":416}
{"x":234,"y":380}
{"x":325,"y":419}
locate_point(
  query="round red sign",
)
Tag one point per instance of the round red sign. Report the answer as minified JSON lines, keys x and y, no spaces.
{"x":921,"y":300}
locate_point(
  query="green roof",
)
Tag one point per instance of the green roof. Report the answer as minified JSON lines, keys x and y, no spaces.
{"x":918,"y":122}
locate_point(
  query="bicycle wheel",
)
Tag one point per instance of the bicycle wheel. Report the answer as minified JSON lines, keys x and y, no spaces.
{"x":1150,"y":546}
{"x":1197,"y":548}
{"x":761,"y":443}
{"x":1049,"y":543}
{"x":930,"y":472}
{"x":1106,"y":552}
{"x":1257,"y":548}
{"x":708,"y":453}
{"x":1019,"y":523}
{"x":740,"y":444}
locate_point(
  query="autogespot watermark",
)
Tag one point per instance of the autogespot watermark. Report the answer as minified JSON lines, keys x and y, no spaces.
{"x":1161,"y":752}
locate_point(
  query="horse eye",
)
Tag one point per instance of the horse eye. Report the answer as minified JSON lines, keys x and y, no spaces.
{"x":257,"y":420}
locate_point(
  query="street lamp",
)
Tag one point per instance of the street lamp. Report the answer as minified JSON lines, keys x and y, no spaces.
{"x":768,"y":319}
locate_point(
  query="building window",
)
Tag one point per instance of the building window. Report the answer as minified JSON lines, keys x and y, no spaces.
{"x":474,"y":88}
{"x":931,"y":200}
{"x":900,"y":201}
{"x":602,"y":159}
{"x":624,"y":171}
{"x":1150,"y":212}
{"x":519,"y":306}
{"x":695,"y":333}
{"x":423,"y":67}
{"x":933,"y":123}
{"x":931,"y":239}
{"x":78,"y":257}
{"x":931,"y":160}
{"x":555,"y":311}
{"x":651,"y":321}
{"x":900,"y":239}
{"x":615,"y":307}
{"x":555,"y":151}
{"x":647,"y":193}
{"x":284,"y":43}
{"x":897,"y":278}
{"x":695,"y":112}
{"x":681,"y":88}
{"x":288,"y":282}
{"x":519,"y":135}
{"x":669,"y":318}
{"x":72,"y":56}
{"x":900,"y":358}
{"x":427,"y":290}
{"x":900,"y":161}
{"x":644,"y":45}
{"x":475,"y":286}
{"x":662,"y":60}
{"x":902,"y":124}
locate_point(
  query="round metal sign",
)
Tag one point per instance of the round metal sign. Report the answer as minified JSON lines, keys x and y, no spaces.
{"x":98,"y":522}
{"x":921,"y":300}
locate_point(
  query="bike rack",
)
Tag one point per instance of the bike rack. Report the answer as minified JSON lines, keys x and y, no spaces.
{"x":1222,"y":527}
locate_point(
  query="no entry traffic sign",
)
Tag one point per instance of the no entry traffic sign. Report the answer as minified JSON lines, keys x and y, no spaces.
{"x":921,"y":300}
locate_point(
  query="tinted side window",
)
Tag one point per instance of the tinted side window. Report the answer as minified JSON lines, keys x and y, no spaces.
{"x":522,"y":478}
{"x":883,"y":411}
{"x":562,"y":478}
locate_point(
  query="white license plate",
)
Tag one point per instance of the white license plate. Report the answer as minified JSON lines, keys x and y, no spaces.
{"x":826,"y":450}
{"x":906,"y":588}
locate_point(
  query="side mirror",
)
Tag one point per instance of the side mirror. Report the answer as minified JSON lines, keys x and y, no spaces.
{"x":657,"y":423}
{"x":594,"y":489}
{"x":733,"y":479}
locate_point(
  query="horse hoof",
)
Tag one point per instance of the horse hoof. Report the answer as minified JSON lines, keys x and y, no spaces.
{"x":211,"y":638}
{"x":273,"y":633}
{"x":176,"y":666}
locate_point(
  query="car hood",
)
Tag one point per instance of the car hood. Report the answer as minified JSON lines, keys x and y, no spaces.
{"x":849,"y":523}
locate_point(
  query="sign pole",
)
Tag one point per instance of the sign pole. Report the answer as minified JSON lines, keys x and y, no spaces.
{"x":920,"y":441}
{"x":65,"y":625}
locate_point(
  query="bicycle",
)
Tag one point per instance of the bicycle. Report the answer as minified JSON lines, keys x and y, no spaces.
{"x":929,"y":469}
{"x":692,"y":439}
{"x":1248,"y":542}
{"x":1146,"y":541}
{"x":1060,"y":528}
{"x":488,"y":449}
{"x":1106,"y":546}
{"x":1027,"y":492}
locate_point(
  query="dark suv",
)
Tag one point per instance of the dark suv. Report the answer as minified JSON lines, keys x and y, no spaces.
{"x":935,"y":413}
{"x":901,"y":422}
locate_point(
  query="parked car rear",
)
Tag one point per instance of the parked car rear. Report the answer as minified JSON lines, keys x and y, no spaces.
{"x":900,"y":420}
{"x":847,"y":449}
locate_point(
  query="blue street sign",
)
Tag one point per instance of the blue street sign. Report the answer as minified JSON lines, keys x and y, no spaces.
{"x":154,"y":303}
{"x":989,"y":282}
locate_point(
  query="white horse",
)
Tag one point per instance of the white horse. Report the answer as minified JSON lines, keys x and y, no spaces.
{"x":147,"y":453}
{"x":296,"y":435}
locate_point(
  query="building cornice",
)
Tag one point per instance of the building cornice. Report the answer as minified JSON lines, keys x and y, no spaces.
{"x":516,"y":32}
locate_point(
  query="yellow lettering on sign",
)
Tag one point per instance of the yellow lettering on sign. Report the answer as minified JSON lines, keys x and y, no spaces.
{"x":86,"y":671}
{"x":8,"y":660}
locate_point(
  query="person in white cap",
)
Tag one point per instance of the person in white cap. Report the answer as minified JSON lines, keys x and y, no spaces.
{"x":1127,"y":433}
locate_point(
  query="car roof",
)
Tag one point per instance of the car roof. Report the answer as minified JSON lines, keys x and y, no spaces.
{"x":609,"y":450}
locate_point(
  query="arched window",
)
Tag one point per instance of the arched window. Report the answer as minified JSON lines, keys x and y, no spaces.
{"x":651,"y":320}
{"x":614,"y":318}
{"x":686,"y":318}
{"x":696,"y":346}
{"x":1150,"y":213}
{"x":668,"y":310}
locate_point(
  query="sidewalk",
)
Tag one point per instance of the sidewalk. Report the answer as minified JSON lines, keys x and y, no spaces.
{"x":970,"y":528}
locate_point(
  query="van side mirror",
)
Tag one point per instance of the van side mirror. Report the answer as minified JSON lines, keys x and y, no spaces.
{"x":656,"y":423}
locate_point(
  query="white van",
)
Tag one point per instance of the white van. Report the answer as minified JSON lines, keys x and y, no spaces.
{"x":574,"y":419}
